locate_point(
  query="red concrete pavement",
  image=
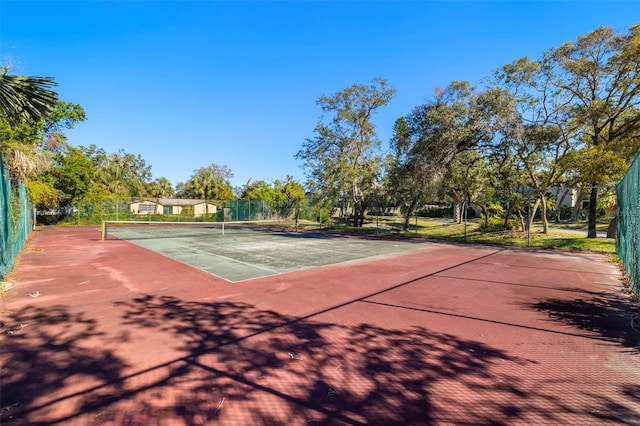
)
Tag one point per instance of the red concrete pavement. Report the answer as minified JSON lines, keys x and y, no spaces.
{"x":111,"y":333}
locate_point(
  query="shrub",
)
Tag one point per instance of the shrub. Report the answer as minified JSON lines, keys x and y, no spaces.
{"x":495,"y":224}
{"x":444,"y":211}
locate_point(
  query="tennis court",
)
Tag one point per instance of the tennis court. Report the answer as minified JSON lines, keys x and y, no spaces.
{"x":239,"y":251}
{"x":111,"y":332}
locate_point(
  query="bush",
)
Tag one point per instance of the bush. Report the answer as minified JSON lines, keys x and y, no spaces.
{"x":495,"y":224}
{"x":315,"y":215}
{"x":443,"y":211}
{"x":565,"y":213}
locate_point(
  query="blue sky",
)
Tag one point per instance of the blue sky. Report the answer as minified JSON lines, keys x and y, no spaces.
{"x":186,"y":84}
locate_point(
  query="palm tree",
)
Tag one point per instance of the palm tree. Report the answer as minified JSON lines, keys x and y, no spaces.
{"x":113,"y":176}
{"x":203,"y":181}
{"x":160,"y":188}
{"x":26,"y":99}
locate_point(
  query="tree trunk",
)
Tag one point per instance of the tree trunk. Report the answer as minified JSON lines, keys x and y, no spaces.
{"x":559,"y":203}
{"x":533,"y":213}
{"x":543,"y":212}
{"x":485,"y":213}
{"x":577,"y":206}
{"x":407,"y":218}
{"x":593,"y":199}
{"x":508,"y":215}
{"x":358,"y":204}
{"x":612,"y":230}
{"x":458,"y":214}
{"x":457,"y":211}
{"x":356,"y":213}
{"x":359,"y":216}
{"x":522,"y":223}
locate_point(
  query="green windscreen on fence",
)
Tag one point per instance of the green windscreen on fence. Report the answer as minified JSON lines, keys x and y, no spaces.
{"x":236,"y":210}
{"x":16,"y":219}
{"x":166,"y":209}
{"x":628,"y":243}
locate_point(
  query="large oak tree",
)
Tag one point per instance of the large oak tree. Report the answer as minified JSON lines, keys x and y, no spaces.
{"x":343,"y":158}
{"x":598,"y":79}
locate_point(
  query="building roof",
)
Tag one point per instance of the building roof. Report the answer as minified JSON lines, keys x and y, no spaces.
{"x":175,"y":201}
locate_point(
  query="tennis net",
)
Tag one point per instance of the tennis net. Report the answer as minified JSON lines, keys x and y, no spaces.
{"x":137,"y":230}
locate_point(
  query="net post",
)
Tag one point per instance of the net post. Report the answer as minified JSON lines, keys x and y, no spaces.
{"x":104,"y":230}
{"x":222,"y":228}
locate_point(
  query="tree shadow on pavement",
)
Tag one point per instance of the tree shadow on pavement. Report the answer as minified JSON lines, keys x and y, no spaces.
{"x":288,"y":370}
{"x":243,"y":365}
{"x":45,"y":350}
{"x":603,"y":316}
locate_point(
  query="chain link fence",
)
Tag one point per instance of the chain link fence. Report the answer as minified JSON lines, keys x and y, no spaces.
{"x":16,"y":219}
{"x":628,"y":226}
{"x":166,"y":210}
{"x":242,"y":210}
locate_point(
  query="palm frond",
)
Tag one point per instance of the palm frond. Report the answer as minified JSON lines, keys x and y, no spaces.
{"x":26,"y":160}
{"x":26,"y":99}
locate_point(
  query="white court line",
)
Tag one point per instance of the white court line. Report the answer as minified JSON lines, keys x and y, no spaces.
{"x":227,"y":258}
{"x":317,"y":247}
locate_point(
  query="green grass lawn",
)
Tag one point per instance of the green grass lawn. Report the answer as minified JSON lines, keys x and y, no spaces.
{"x":446,"y":230}
{"x":601,"y":225}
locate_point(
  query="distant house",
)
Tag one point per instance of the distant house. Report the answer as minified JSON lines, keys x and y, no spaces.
{"x":185,"y":207}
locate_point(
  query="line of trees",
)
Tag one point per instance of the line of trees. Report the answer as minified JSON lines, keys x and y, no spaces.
{"x":568,"y":119}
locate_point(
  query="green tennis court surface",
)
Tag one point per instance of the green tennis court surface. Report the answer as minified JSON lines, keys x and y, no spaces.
{"x":241,"y":254}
